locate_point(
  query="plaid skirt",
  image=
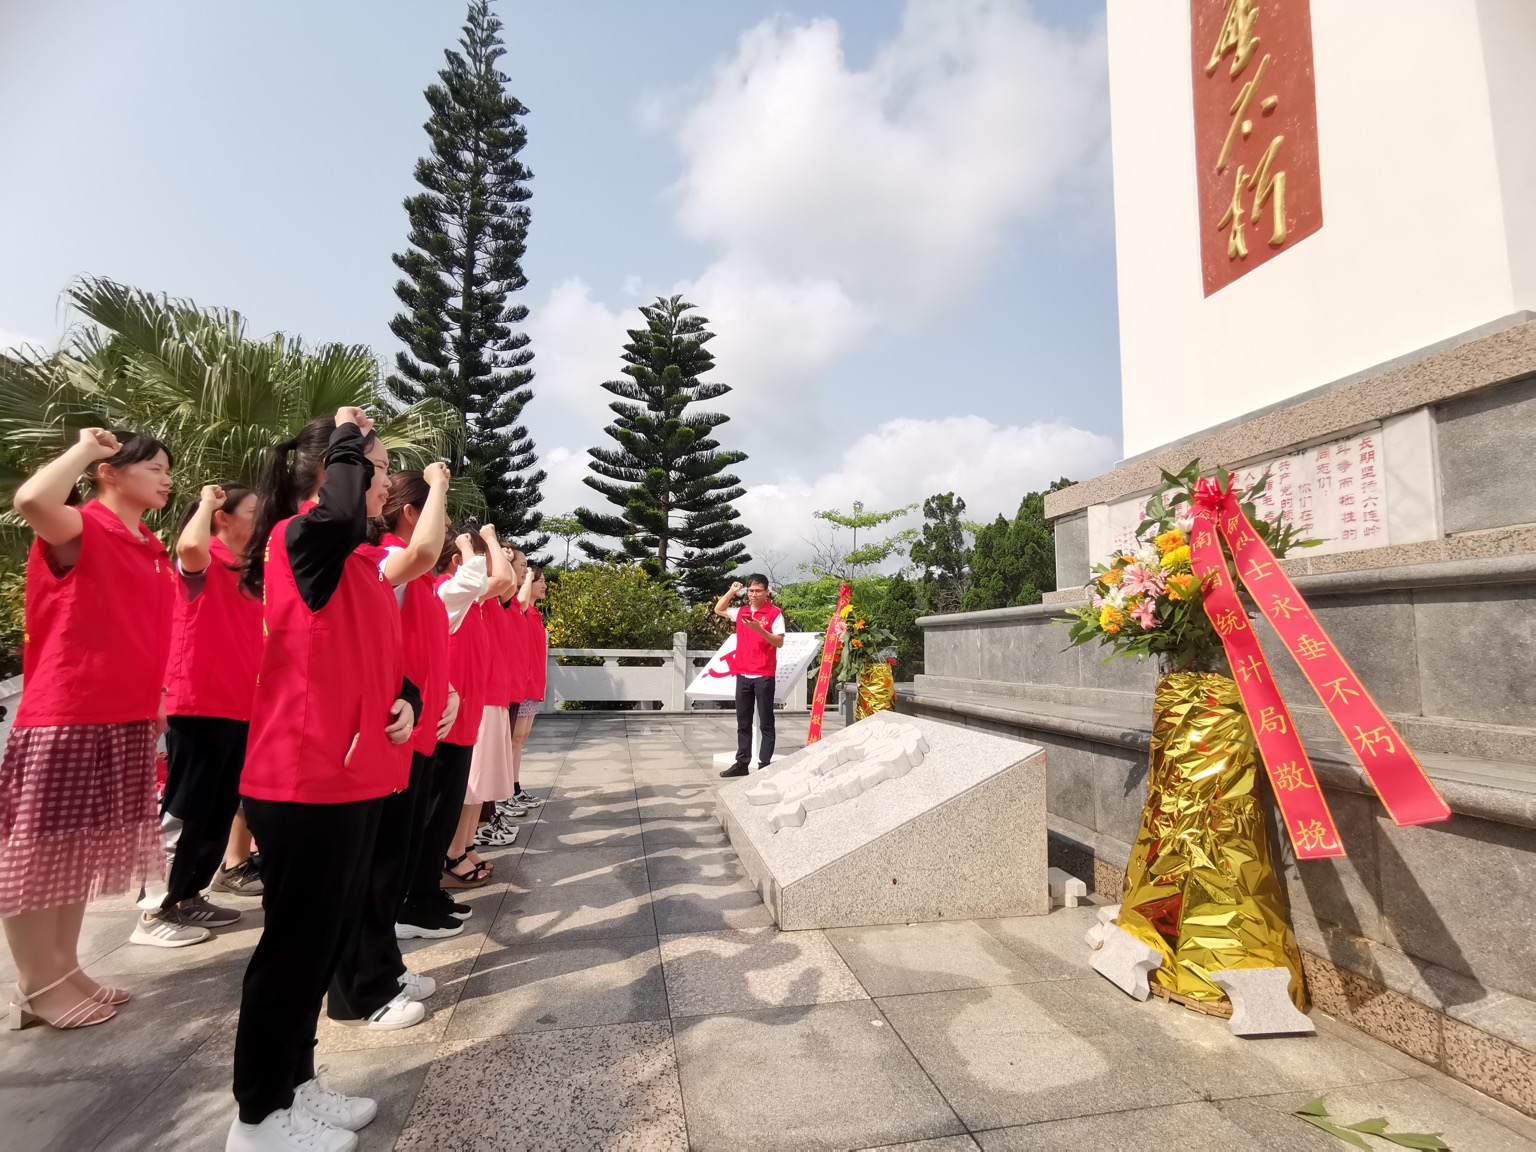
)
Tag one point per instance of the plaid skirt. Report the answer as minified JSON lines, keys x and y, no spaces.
{"x":77,"y":814}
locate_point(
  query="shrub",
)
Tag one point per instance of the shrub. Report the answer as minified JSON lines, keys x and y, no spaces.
{"x":610,"y":605}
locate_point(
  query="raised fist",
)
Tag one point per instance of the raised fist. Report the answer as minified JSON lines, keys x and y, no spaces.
{"x":436,"y":474}
{"x":103,"y":444}
{"x":211,"y":494}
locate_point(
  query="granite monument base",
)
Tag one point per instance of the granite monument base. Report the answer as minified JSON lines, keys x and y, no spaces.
{"x":894,"y":820}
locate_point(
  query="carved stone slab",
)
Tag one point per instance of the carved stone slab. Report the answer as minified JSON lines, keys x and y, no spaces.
{"x":1261,"y":1002}
{"x":894,"y":820}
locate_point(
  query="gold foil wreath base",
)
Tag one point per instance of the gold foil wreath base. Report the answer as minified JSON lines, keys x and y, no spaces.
{"x":877,"y":690}
{"x":1200,"y":887}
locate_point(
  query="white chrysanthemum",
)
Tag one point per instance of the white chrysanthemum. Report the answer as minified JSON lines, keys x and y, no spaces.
{"x":1148,"y":557}
{"x":1115,"y":597}
{"x":1185,"y":524}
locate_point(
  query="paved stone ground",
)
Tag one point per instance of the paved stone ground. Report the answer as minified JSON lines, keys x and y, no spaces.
{"x":620,"y":986}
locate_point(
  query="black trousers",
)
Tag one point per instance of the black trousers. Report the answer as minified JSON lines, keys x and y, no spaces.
{"x":445,"y":804}
{"x":754,"y":693}
{"x":368,"y":973}
{"x":204,"y":755}
{"x":314,"y":865}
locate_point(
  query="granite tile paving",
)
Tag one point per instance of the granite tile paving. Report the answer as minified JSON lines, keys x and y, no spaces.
{"x":620,"y":986}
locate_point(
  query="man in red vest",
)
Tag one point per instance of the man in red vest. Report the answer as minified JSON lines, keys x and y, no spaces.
{"x":759,"y":636}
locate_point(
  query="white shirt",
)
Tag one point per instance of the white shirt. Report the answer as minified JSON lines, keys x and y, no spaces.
{"x":776,"y":629}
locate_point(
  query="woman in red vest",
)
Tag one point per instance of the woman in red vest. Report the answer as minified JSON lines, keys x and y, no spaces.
{"x":331,"y":710}
{"x":371,"y":972}
{"x":535,"y":652}
{"x":215,"y":654}
{"x":468,"y":666}
{"x":490,"y":769}
{"x":77,"y":785}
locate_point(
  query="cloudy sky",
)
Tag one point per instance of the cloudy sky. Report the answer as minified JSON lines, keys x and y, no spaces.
{"x":896,"y":216}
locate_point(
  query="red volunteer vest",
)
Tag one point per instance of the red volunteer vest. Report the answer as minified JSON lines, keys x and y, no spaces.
{"x":517,"y":651}
{"x":97,"y":637}
{"x":501,"y":671}
{"x":538,"y":654}
{"x":215,"y":644}
{"x":754,"y":655}
{"x":424,"y":647}
{"x":467,"y":653}
{"x":328,"y":680}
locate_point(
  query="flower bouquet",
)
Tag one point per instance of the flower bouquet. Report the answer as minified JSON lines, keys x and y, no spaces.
{"x":1200,"y":887}
{"x":868,"y":655}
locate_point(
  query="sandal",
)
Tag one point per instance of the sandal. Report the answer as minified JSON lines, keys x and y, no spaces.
{"x":105,"y":994}
{"x":76,"y":1017}
{"x":476,"y":877}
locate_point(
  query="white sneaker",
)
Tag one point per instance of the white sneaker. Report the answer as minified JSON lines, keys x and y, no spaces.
{"x":286,"y":1130}
{"x":417,"y":987}
{"x":331,"y":1107}
{"x":167,"y":930}
{"x":401,"y":1012}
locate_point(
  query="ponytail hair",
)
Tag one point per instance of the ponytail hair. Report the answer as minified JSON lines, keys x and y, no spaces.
{"x":406,"y":490}
{"x":289,"y":474}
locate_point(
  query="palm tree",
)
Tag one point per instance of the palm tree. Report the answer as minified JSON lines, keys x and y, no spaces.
{"x":193,"y":378}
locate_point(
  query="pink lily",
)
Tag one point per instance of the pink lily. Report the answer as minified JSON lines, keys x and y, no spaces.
{"x":1141,"y":580}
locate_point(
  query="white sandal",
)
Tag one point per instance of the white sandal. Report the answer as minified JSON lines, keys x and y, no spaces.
{"x":77,"y":1017}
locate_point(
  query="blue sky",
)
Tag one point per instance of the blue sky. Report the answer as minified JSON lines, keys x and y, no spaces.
{"x":897,"y":215}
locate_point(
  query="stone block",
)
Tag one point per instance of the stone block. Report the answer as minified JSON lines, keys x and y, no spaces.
{"x":1125,"y":962}
{"x":1120,"y":791}
{"x":1375,"y":633}
{"x":1048,"y":657}
{"x":1099,"y":932}
{"x":1071,"y":779}
{"x":951,"y":652}
{"x":1003,"y":651}
{"x":1474,"y":652}
{"x":1427,"y":873}
{"x":1491,"y":1065}
{"x":1261,"y":1002}
{"x":959,"y":835}
{"x":1073,"y":563}
{"x":1388,"y":1016}
{"x":1487,"y":471}
{"x":1067,"y":891}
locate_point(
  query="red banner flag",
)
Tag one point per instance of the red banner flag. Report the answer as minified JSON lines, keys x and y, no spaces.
{"x":829,"y":646}
{"x":1394,"y":771}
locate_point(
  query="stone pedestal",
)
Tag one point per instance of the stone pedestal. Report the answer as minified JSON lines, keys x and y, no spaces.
{"x":894,"y":820}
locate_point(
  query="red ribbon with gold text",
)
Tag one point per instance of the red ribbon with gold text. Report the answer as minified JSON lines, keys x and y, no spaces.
{"x":835,"y":629}
{"x":1394,"y":772}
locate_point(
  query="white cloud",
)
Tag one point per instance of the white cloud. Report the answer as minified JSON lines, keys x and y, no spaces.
{"x":990,"y":466}
{"x":897,"y":181}
{"x":563,"y":490}
{"x":577,"y":342}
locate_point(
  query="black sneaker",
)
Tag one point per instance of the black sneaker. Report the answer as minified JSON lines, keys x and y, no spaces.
{"x":453,"y":908}
{"x":427,"y":924}
{"x":734,"y":770}
{"x":241,"y":880}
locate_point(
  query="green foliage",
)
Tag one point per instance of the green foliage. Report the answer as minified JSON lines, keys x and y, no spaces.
{"x":894,"y":601}
{"x":613,"y":605}
{"x":13,"y":594}
{"x":566,"y":528}
{"x":705,"y":629}
{"x":830,"y":558}
{"x":1316,"y":1114}
{"x":898,"y":604}
{"x":468,"y":231}
{"x":667,"y":474}
{"x":193,"y":378}
{"x":1013,"y":562}
{"x":942,"y":552}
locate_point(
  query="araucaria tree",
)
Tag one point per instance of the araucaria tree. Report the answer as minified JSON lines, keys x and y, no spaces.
{"x":468,"y":230}
{"x":667,"y":474}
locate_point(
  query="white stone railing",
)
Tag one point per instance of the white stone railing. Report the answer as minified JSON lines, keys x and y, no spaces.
{"x":660,"y":687}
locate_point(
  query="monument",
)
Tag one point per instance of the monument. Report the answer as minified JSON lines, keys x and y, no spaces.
{"x":1327,"y":270}
{"x":894,"y":820}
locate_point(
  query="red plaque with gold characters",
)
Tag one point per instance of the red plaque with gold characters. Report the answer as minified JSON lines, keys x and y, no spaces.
{"x":1255,"y":133}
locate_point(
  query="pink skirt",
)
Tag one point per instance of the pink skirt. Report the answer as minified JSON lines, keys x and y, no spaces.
{"x":77,"y":814}
{"x":490,"y":765}
{"x":530,"y":707}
